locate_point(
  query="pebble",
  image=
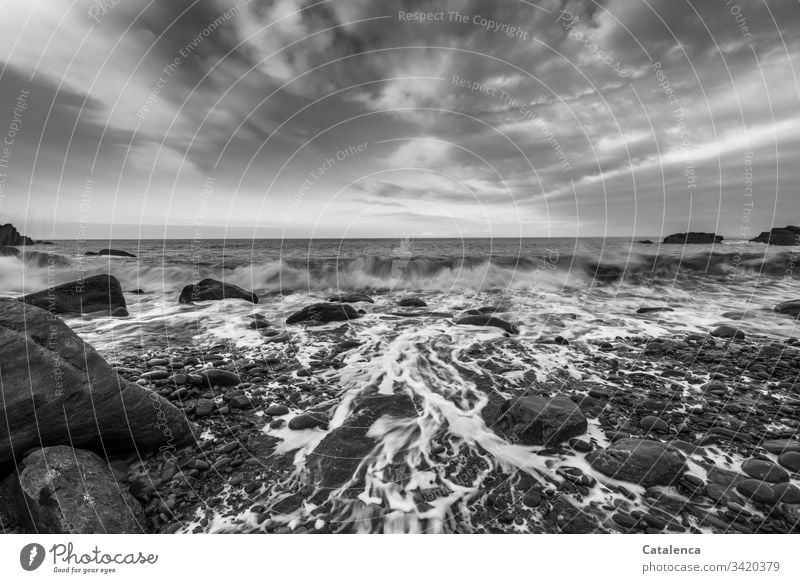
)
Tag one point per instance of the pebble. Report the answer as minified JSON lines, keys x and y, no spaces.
{"x":756,"y":490}
{"x":204,"y":407}
{"x":790,"y":460}
{"x":764,"y":470}
{"x":787,"y":493}
{"x":653,"y":423}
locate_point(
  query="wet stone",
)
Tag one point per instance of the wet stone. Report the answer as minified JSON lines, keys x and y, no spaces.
{"x":757,"y":491}
{"x":790,"y":460}
{"x":765,"y":470}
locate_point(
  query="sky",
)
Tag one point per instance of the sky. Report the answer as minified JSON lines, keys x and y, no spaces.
{"x":358,"y":118}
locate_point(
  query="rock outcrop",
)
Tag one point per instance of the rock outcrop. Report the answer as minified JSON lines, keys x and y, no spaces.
{"x":211,"y":289}
{"x":57,"y":390}
{"x":786,"y":236}
{"x":693,"y":239}
{"x":10,"y":236}
{"x":99,"y":293}
{"x":641,"y":461}
{"x":112,"y":252}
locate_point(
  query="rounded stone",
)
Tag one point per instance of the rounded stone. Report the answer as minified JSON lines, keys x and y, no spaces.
{"x":765,"y":471}
{"x":790,"y":460}
{"x":786,"y":492}
{"x":757,"y":491}
{"x":653,"y":423}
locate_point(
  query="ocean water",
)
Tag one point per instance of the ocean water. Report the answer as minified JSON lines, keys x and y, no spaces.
{"x":591,"y":277}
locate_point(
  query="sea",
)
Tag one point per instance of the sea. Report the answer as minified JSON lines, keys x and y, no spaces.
{"x":605,"y":278}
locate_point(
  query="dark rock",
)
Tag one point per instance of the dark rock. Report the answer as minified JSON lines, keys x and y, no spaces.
{"x":653,"y":310}
{"x":645,"y":242}
{"x":580,"y":445}
{"x":725,"y":331}
{"x":779,"y":446}
{"x":488,"y":321}
{"x":240,"y":402}
{"x":338,"y":457}
{"x":10,"y":236}
{"x":115,"y":253}
{"x":351,"y":298}
{"x":211,"y":289}
{"x":308,"y":421}
{"x":789,"y":308}
{"x":57,"y":390}
{"x":787,"y":493}
{"x":693,"y":239}
{"x":61,"y":490}
{"x":324,"y":313}
{"x":276,"y":410}
{"x":765,"y":471}
{"x":137,"y":292}
{"x":641,"y":461}
{"x":532,"y":498}
{"x":204,"y":407}
{"x":9,"y":252}
{"x":544,"y":421}
{"x":653,"y":423}
{"x":790,"y":460}
{"x":219,"y":378}
{"x":785,"y":236}
{"x":99,"y":293}
{"x":412,"y":303}
{"x":756,"y":490}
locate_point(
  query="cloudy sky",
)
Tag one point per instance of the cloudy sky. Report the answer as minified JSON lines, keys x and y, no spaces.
{"x":360,"y":118}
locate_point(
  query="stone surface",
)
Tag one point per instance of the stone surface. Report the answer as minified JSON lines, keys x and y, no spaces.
{"x":96,"y":294}
{"x":544,"y":420}
{"x":337,"y":458}
{"x":641,"y":461}
{"x":219,"y":378}
{"x":308,"y":421}
{"x":412,"y":303}
{"x":790,"y":460}
{"x":329,"y":312}
{"x":57,"y":390}
{"x":756,"y":490}
{"x":211,"y":289}
{"x":61,"y":490}
{"x":765,"y":471}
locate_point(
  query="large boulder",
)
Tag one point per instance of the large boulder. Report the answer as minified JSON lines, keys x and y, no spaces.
{"x":10,"y":236}
{"x":693,"y":239}
{"x":60,"y":490}
{"x":57,"y":390}
{"x":338,"y":458}
{"x":99,"y":293}
{"x":786,"y":236}
{"x":641,"y":461}
{"x":789,"y":308}
{"x":324,"y":313}
{"x":211,"y":289}
{"x":538,"y":420}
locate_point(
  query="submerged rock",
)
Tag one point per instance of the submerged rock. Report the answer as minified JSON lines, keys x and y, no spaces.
{"x":211,"y":289}
{"x":324,"y":313}
{"x":57,"y":390}
{"x":61,"y":490}
{"x":351,"y":298}
{"x":641,"y":461}
{"x":693,"y":239}
{"x":338,"y":457}
{"x":544,"y":420}
{"x":40,"y":259}
{"x":488,"y":321}
{"x":99,"y":293}
{"x":789,"y":308}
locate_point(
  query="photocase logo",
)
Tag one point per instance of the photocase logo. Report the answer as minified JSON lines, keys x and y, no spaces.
{"x":31,"y":556}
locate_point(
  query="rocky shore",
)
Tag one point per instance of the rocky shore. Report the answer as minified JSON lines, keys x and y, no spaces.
{"x":692,"y":433}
